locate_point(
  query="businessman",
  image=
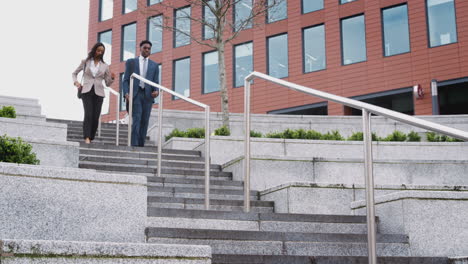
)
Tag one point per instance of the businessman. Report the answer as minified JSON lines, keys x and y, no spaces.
{"x":143,"y":94}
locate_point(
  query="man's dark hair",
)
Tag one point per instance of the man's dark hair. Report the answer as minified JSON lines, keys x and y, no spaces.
{"x":146,"y":42}
{"x":93,"y":51}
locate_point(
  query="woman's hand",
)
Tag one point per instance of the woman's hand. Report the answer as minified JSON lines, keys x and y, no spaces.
{"x":77,"y":84}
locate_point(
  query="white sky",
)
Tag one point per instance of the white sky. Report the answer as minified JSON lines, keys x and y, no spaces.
{"x":42,"y":43}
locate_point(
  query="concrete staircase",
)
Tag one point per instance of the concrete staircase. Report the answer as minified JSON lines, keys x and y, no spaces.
{"x":175,"y":212}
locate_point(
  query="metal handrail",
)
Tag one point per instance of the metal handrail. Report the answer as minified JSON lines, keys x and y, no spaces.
{"x":367,"y":110}
{"x":117,"y":112}
{"x":163,"y":89}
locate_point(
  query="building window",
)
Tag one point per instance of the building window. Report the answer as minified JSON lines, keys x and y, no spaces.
{"x":278,"y":56}
{"x":314,"y":48}
{"x":128,"y":42}
{"x":310,"y":109}
{"x":311,"y":5}
{"x":155,"y":33}
{"x":210,"y":72}
{"x":399,"y":100}
{"x":122,"y":105}
{"x":243,"y":60}
{"x":106,"y":39}
{"x":278,"y":10}
{"x":353,"y":40}
{"x":182,"y":77}
{"x":395,"y":30}
{"x":106,"y":9}
{"x":156,"y":100}
{"x":182,"y":27}
{"x":129,"y":6}
{"x":442,"y":24}
{"x":346,"y":1}
{"x":209,"y":19}
{"x":242,"y":13}
{"x":153,"y":2}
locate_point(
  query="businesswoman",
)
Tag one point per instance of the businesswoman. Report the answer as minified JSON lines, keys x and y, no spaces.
{"x":95,"y":71}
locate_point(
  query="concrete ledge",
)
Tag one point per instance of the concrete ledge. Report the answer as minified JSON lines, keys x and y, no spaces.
{"x":435,"y":221}
{"x":50,"y":203}
{"x":40,"y":251}
{"x":269,"y":171}
{"x":224,"y":149}
{"x":15,"y":127}
{"x":56,"y":153}
{"x":183,"y":143}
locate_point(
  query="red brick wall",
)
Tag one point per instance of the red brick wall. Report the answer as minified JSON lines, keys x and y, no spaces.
{"x":377,"y":74}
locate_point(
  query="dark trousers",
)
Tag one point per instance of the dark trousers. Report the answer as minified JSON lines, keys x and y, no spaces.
{"x":92,"y":105}
{"x":140,"y":118}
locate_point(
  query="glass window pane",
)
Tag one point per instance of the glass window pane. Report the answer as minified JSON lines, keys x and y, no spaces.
{"x":278,"y":56}
{"x":353,"y":40}
{"x":182,"y":24}
{"x":209,"y":17}
{"x":442,"y":24}
{"x":278,"y":10}
{"x":182,"y":77}
{"x":314,"y":48}
{"x":242,"y":12}
{"x":123,"y":106}
{"x":395,"y":29}
{"x":156,"y":100}
{"x":106,"y":9}
{"x":155,"y":33}
{"x":346,"y":1}
{"x":243,"y":62}
{"x":128,"y":42}
{"x":210,"y":72}
{"x":152,"y":2}
{"x":129,"y":6}
{"x":106,"y":39}
{"x":311,"y":5}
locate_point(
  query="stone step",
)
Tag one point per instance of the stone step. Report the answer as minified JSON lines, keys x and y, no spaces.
{"x":195,"y":182}
{"x":280,"y":243}
{"x":217,"y":185}
{"x":199,"y":195}
{"x":158,"y":202}
{"x":148,"y":162}
{"x":150,"y":169}
{"x":166,"y":155}
{"x":171,"y":176}
{"x":130,"y":149}
{"x":80,"y":123}
{"x":262,"y":259}
{"x":213,"y":190}
{"x":253,"y":221}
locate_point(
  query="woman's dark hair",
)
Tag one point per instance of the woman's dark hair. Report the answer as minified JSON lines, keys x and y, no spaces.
{"x":93,"y":51}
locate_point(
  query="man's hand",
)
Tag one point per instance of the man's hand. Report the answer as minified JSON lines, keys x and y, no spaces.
{"x":126,"y":98}
{"x":112,"y":75}
{"x":155,"y":94}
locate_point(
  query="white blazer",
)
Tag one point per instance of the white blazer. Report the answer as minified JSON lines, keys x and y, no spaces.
{"x":103,"y":74}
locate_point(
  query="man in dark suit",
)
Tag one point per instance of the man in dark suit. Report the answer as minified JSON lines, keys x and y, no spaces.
{"x":143,"y":94}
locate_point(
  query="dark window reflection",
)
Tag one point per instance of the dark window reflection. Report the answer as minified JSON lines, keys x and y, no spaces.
{"x":395,"y":29}
{"x":155,"y":33}
{"x":128,"y":41}
{"x":278,"y":10}
{"x":278,"y":56}
{"x":182,"y":77}
{"x":314,"y":49}
{"x":311,"y":5}
{"x":442,"y":24}
{"x":242,"y":11}
{"x":243,"y":62}
{"x":353,"y":40}
{"x":210,"y":72}
{"x":182,"y":24}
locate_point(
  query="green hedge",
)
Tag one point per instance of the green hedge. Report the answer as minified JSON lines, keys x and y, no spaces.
{"x":8,"y":111}
{"x":15,"y":150}
{"x":433,"y":137}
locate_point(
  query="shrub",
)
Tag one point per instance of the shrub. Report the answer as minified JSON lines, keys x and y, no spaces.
{"x":255,"y":134}
{"x":176,"y":133}
{"x":274,"y":135}
{"x":222,"y":131}
{"x":300,"y":134}
{"x":333,"y":135}
{"x":195,"y":132}
{"x":396,"y":136}
{"x":312,"y":134}
{"x":357,"y":136}
{"x":15,"y":150}
{"x":414,"y":137}
{"x":8,"y":111}
{"x":433,"y":137}
{"x":289,"y":134}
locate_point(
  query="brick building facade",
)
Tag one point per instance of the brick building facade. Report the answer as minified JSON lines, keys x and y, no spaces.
{"x":437,"y":49}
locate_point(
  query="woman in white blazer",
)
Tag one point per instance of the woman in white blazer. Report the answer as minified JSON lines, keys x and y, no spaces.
{"x":95,"y":72}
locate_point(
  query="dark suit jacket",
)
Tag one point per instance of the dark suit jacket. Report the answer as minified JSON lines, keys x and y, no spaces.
{"x":152,"y":74}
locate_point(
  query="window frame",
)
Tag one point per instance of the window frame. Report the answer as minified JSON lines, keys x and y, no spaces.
{"x":203,"y":73}
{"x":234,"y":18}
{"x":341,"y":38}
{"x":303,"y":47}
{"x":174,"y":71}
{"x":268,"y":52}
{"x":267,"y":13}
{"x":99,"y":39}
{"x":148,"y":32}
{"x":339,"y":2}
{"x":123,"y":7}
{"x":101,"y":9}
{"x":383,"y":28}
{"x":122,"y":36}
{"x":174,"y":39}
{"x":428,"y":30}
{"x":234,"y":61}
{"x":302,"y":7}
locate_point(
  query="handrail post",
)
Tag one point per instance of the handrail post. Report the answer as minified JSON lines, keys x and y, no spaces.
{"x":117,"y":117}
{"x":368,"y":168}
{"x":207,"y":158}
{"x":160,"y":118}
{"x":247,"y":146}
{"x":130,"y":109}
{"x":99,"y":126}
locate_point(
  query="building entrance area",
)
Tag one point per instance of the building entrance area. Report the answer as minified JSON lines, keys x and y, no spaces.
{"x":453,"y":97}
{"x":400,"y":100}
{"x":311,"y":109}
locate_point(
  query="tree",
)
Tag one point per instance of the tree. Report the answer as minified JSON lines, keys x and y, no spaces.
{"x":218,"y":28}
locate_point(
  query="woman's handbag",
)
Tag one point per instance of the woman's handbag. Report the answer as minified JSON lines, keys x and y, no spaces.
{"x":79,"y":95}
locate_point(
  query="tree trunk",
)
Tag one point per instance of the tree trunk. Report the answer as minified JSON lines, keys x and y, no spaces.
{"x":222,"y":84}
